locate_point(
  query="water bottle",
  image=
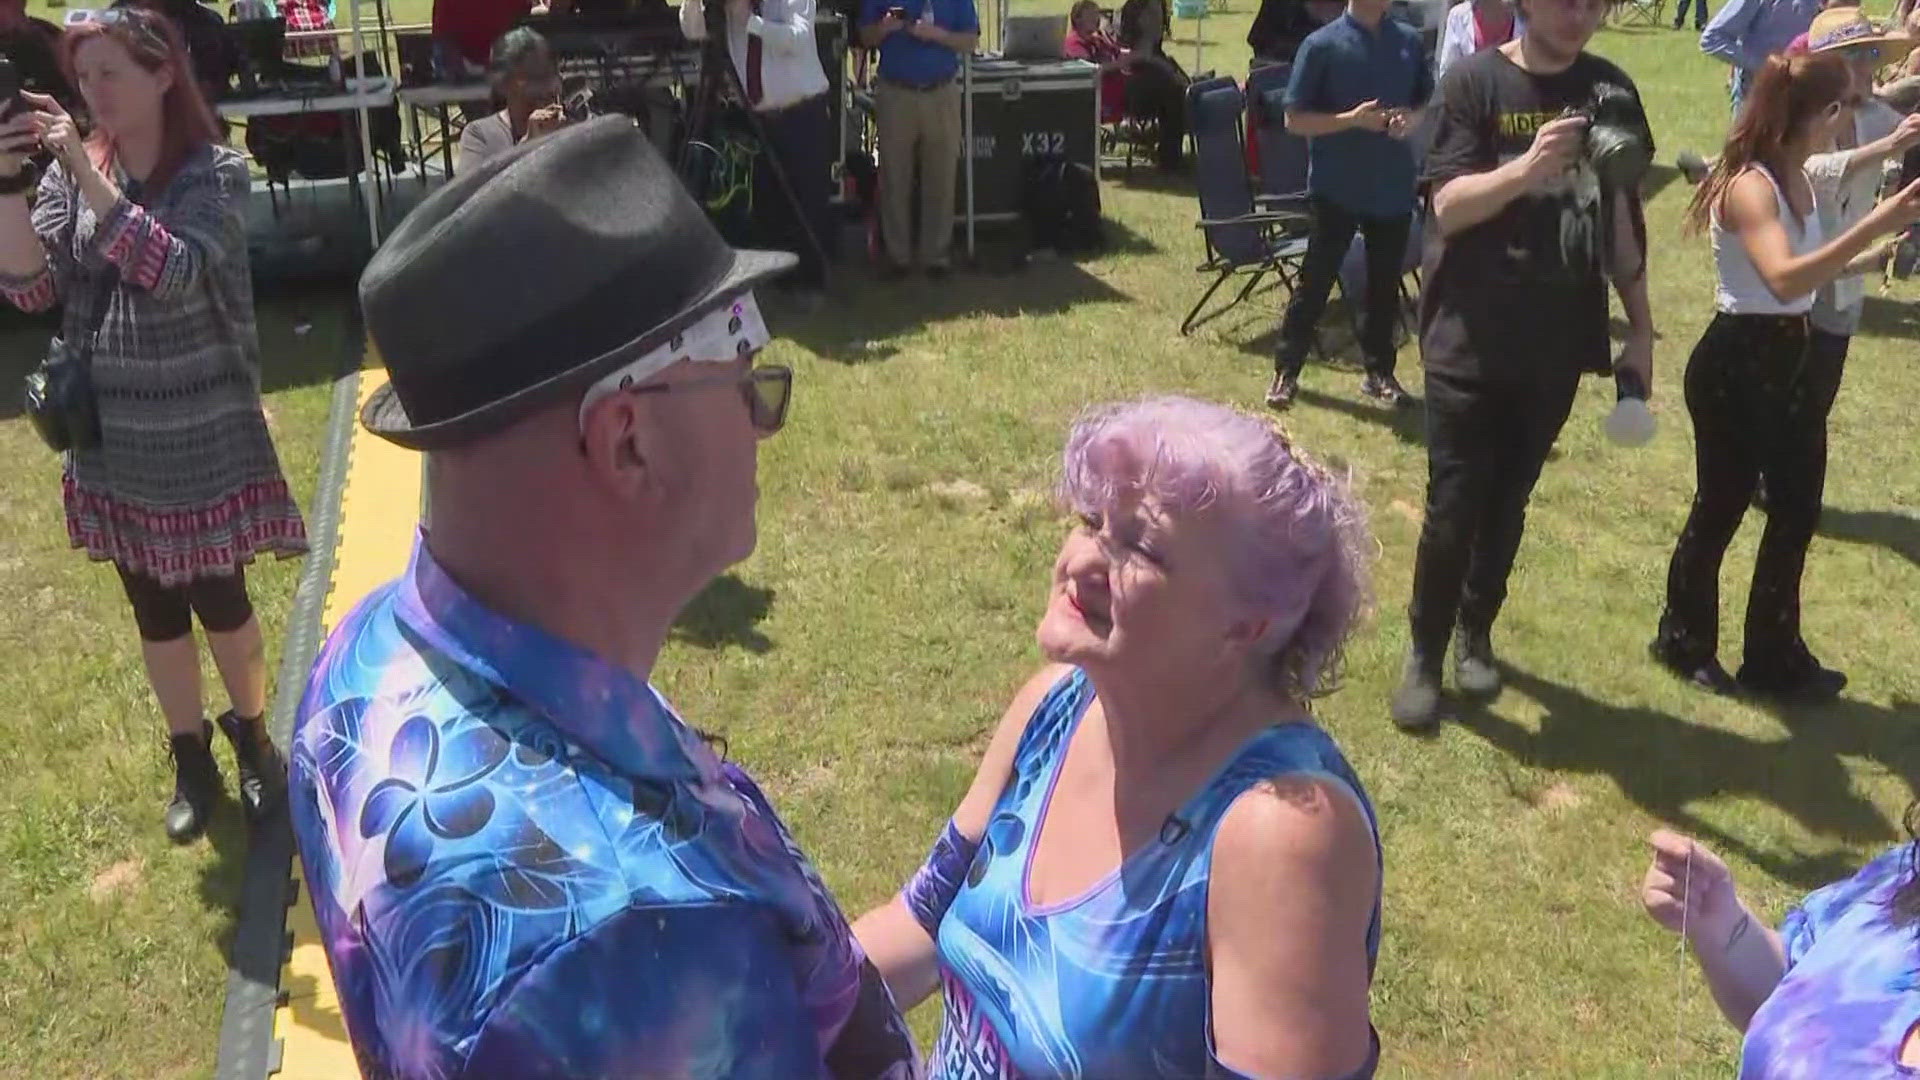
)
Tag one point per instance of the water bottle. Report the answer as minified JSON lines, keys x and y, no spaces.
{"x":1630,"y":423}
{"x":333,"y":70}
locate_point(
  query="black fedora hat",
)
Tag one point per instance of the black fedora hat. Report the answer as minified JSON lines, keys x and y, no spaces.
{"x":534,"y":274}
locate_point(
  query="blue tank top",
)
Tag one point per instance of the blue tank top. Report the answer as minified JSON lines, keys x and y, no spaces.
{"x":1113,"y":983}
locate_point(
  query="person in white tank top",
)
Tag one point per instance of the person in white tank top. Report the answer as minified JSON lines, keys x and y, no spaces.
{"x":1746,"y":380}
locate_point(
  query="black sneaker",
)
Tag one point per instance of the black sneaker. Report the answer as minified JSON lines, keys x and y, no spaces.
{"x":1475,"y":671}
{"x":939,"y":272}
{"x":1284,"y":388}
{"x":196,"y":784}
{"x":892,"y":271}
{"x":1705,"y":674}
{"x":1384,"y":388}
{"x":1802,"y":678}
{"x":1415,"y":705}
{"x":262,"y":774}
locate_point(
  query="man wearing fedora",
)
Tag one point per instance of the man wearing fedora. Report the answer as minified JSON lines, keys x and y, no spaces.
{"x":522,"y":860}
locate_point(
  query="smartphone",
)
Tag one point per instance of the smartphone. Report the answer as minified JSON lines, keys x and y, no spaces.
{"x":10,"y":100}
{"x":899,"y":12}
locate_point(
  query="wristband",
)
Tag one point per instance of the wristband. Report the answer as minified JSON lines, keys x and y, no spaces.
{"x":937,"y":882}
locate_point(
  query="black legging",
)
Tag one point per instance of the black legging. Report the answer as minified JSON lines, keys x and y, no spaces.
{"x":165,"y":612}
{"x":1759,"y":388}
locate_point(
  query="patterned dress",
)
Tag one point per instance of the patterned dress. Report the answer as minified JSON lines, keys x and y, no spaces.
{"x":1851,"y":992}
{"x":523,"y":864}
{"x":185,"y":483}
{"x":1111,"y":985}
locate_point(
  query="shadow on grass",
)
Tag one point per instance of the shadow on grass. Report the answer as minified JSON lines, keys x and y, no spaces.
{"x":860,"y":325}
{"x":222,"y":878}
{"x":1408,"y":423}
{"x":1146,"y":176}
{"x":1665,"y":764}
{"x":725,"y":613}
{"x":1898,"y":533}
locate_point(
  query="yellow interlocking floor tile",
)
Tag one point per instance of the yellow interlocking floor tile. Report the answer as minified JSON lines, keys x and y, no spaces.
{"x":379,"y":508}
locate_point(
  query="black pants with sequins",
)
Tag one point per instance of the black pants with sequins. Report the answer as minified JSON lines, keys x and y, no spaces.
{"x":1487,"y":441}
{"x":1759,"y":388}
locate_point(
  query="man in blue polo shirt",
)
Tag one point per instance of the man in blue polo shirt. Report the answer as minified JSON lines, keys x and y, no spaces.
{"x":922,"y":44}
{"x":1356,"y":83}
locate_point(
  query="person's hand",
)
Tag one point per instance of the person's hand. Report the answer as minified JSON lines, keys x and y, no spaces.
{"x":59,"y":134}
{"x":926,"y":30}
{"x":1367,"y":116}
{"x":546,"y":120}
{"x":1907,"y":134}
{"x":1688,"y":887}
{"x":1399,"y":123}
{"x":1554,"y":148}
{"x":1636,"y":355}
{"x":1896,"y":211}
{"x":889,"y":23}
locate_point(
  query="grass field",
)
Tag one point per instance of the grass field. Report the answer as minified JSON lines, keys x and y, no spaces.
{"x":857,"y":661}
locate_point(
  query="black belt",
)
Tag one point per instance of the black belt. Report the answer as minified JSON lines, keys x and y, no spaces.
{"x":920,"y":88}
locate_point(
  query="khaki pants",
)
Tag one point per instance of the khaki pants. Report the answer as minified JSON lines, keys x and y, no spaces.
{"x":923,"y":127}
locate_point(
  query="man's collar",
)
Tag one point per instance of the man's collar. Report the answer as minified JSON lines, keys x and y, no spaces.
{"x":599,"y":705}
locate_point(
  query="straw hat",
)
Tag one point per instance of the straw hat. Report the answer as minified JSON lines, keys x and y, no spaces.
{"x":1846,"y":28}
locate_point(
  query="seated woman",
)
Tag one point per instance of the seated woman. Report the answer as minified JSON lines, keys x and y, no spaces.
{"x":1832,"y":993}
{"x":525,"y":77}
{"x":1154,"y":79}
{"x":1164,"y":868}
{"x":1127,"y":87}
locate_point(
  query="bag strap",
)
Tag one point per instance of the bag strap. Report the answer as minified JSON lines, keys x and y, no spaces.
{"x":102,"y":300}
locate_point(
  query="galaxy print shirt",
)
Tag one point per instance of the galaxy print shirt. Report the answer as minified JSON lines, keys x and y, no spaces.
{"x":524,"y":865}
{"x":1851,"y":990}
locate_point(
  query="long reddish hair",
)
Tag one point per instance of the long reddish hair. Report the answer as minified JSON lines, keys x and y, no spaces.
{"x":153,"y":41}
{"x":1787,"y":94}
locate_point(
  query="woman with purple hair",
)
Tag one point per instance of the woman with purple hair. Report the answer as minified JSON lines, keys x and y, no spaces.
{"x":1164,"y":868}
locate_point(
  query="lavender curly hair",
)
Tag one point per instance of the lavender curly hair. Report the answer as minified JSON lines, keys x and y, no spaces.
{"x":1299,"y":548}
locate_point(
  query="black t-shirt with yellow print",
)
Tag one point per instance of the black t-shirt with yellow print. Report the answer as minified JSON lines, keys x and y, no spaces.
{"x":1525,"y":292}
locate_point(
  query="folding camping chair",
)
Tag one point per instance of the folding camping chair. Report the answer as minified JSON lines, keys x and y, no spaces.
{"x":1239,"y":238}
{"x":1282,"y":163}
{"x":1640,"y":13}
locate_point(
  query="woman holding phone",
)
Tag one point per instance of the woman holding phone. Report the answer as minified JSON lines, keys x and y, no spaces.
{"x":524,"y":75}
{"x":140,"y":229}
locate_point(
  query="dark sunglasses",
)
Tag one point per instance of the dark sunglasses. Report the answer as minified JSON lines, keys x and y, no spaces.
{"x":767,"y":390}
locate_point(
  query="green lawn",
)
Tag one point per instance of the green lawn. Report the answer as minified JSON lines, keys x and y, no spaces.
{"x":858,"y":660}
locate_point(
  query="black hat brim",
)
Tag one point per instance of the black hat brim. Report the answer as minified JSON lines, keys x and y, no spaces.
{"x":383,"y":414}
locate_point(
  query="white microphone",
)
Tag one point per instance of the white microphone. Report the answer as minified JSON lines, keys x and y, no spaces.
{"x":1630,"y":423}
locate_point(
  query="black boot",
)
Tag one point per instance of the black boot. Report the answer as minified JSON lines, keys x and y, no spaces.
{"x":263,"y":776}
{"x":196,"y":784}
